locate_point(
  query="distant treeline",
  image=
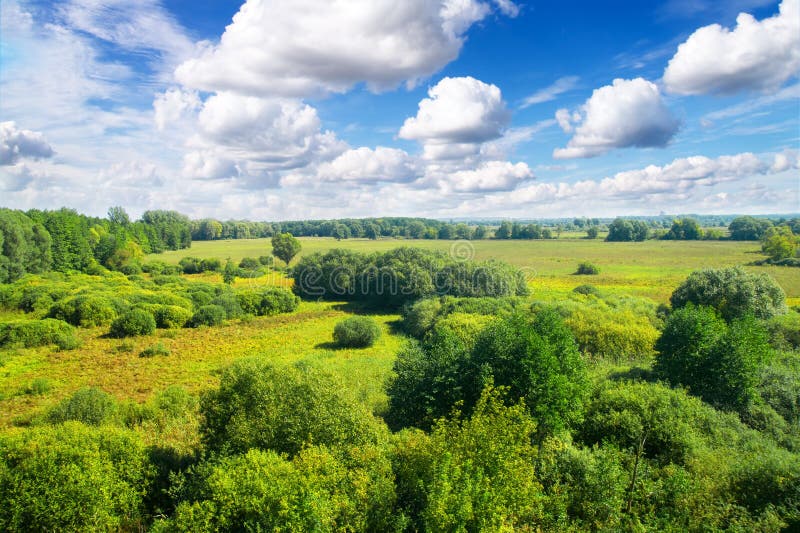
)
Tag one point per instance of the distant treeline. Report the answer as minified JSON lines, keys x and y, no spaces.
{"x":39,"y":241}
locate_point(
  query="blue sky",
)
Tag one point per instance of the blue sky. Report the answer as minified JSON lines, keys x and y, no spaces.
{"x":287,"y":109}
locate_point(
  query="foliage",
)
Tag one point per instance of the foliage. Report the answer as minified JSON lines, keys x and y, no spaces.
{"x":132,"y":323}
{"x":319,"y":490}
{"x":266,"y":302}
{"x":717,"y":361}
{"x":88,"y":405}
{"x":471,"y":474}
{"x":784,"y":331}
{"x":401,"y":275}
{"x":85,"y":310}
{"x":356,"y":332}
{"x":285,"y":247}
{"x":72,"y":478}
{"x":780,"y":243}
{"x":779,"y":386}
{"x":262,"y":406}
{"x":587,"y":289}
{"x":420,"y":317}
{"x":208,"y":315}
{"x":154,"y":350}
{"x":622,"y":230}
{"x":748,"y":228}
{"x":32,"y":333}
{"x":587,"y":269}
{"x":684,"y":229}
{"x":592,"y":232}
{"x":733,"y":292}
{"x":171,"y":316}
{"x":24,"y":246}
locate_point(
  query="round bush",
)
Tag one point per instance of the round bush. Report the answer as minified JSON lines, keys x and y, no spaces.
{"x":276,"y":300}
{"x":134,"y":322}
{"x":356,"y":332}
{"x":208,"y":315}
{"x":85,"y":311}
{"x":32,"y":333}
{"x":587,"y":290}
{"x":171,"y":316}
{"x":229,"y":303}
{"x":587,"y":269}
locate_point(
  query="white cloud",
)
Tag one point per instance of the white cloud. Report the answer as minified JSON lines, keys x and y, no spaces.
{"x":16,"y":144}
{"x":174,"y":106}
{"x":307,"y":47}
{"x":624,"y":114}
{"x":459,"y":115}
{"x":362,"y":166}
{"x":560,"y":86}
{"x":206,"y":164}
{"x":755,"y":55}
{"x":486,"y":177}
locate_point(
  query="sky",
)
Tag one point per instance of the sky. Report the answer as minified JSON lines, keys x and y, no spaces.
{"x":299,"y":109}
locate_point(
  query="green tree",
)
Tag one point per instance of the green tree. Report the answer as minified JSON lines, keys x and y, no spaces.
{"x":118,"y":216}
{"x":684,"y":229}
{"x":592,"y":232}
{"x":748,"y":228}
{"x":504,"y":231}
{"x":717,"y":361}
{"x":339,"y":232}
{"x":24,"y":246}
{"x":258,"y":405}
{"x":229,"y":272}
{"x":285,"y":247}
{"x":779,"y":243}
{"x":733,"y":292}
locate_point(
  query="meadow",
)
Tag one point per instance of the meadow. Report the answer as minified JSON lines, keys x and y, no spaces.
{"x":651,"y":269}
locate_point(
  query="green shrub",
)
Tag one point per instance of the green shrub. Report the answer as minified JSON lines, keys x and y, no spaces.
{"x":356,"y":332}
{"x":266,"y":260}
{"x":171,"y":316}
{"x":258,"y":405}
{"x":249,"y":263}
{"x":587,"y":269}
{"x":229,"y":303}
{"x":208,"y":315}
{"x":211,"y":264}
{"x":276,"y":300}
{"x":89,"y":405}
{"x":39,"y":386}
{"x":32,"y":333}
{"x":175,"y":402}
{"x":190,"y":265}
{"x":587,"y":290}
{"x":420,"y":317}
{"x":85,"y":311}
{"x":733,"y":292}
{"x":779,"y":386}
{"x":784,"y":331}
{"x":73,"y":478}
{"x":134,"y":322}
{"x":154,"y":350}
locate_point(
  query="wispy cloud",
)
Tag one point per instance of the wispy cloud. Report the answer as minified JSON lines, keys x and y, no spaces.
{"x":560,"y":86}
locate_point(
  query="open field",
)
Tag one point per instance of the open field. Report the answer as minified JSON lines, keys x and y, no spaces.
{"x":651,"y":268}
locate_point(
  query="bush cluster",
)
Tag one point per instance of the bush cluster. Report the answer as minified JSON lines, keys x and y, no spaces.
{"x":133,"y":323}
{"x":587,"y":269}
{"x":32,"y":333}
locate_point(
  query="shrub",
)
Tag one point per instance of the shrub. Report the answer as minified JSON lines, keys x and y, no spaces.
{"x":190,"y":265}
{"x":587,"y":290}
{"x":171,"y":316}
{"x":84,"y":311}
{"x":276,"y":300}
{"x":39,"y":386}
{"x":229,"y":303}
{"x":283,"y":409}
{"x":208,"y":315}
{"x":154,"y":350}
{"x":733,"y":292}
{"x":265,"y":260}
{"x":784,"y":331}
{"x":212,"y":264}
{"x":587,"y":269}
{"x":356,"y":332}
{"x":779,"y":386}
{"x":612,"y":333}
{"x":249,"y":263}
{"x":134,"y":322}
{"x":719,"y":362}
{"x":420,"y":317}
{"x":89,"y":405}
{"x":32,"y":333}
{"x":73,"y":478}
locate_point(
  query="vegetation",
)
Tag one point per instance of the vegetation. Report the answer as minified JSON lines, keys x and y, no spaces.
{"x":356,"y":332}
{"x":587,"y":269}
{"x":132,"y":323}
{"x":285,"y":247}
{"x":551,"y":406}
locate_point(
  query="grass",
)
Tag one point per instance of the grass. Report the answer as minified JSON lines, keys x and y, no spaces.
{"x":651,"y":269}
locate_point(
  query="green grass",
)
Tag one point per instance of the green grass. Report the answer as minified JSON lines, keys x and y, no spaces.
{"x":652,"y":268}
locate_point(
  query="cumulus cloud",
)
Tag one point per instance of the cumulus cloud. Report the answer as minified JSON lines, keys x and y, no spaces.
{"x":206,"y":164}
{"x":458,"y":115}
{"x":560,"y":86}
{"x":755,"y":55}
{"x":360,"y":166}
{"x":16,"y":144}
{"x":301,"y":48}
{"x":174,"y":106}
{"x":486,"y":177}
{"x":624,"y":114}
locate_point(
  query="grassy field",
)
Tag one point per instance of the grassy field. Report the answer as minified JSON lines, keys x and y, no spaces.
{"x":651,"y":269}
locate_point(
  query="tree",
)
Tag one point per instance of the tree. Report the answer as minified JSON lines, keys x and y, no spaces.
{"x":717,"y":361}
{"x":685,"y":229}
{"x":285,"y":247}
{"x":622,"y":230}
{"x":24,"y":246}
{"x":592,"y":232}
{"x":504,"y":231}
{"x":118,"y":216}
{"x":229,"y":273}
{"x":339,"y":232}
{"x":372,"y":231}
{"x":733,"y":292}
{"x":779,"y":243}
{"x":748,"y":228}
